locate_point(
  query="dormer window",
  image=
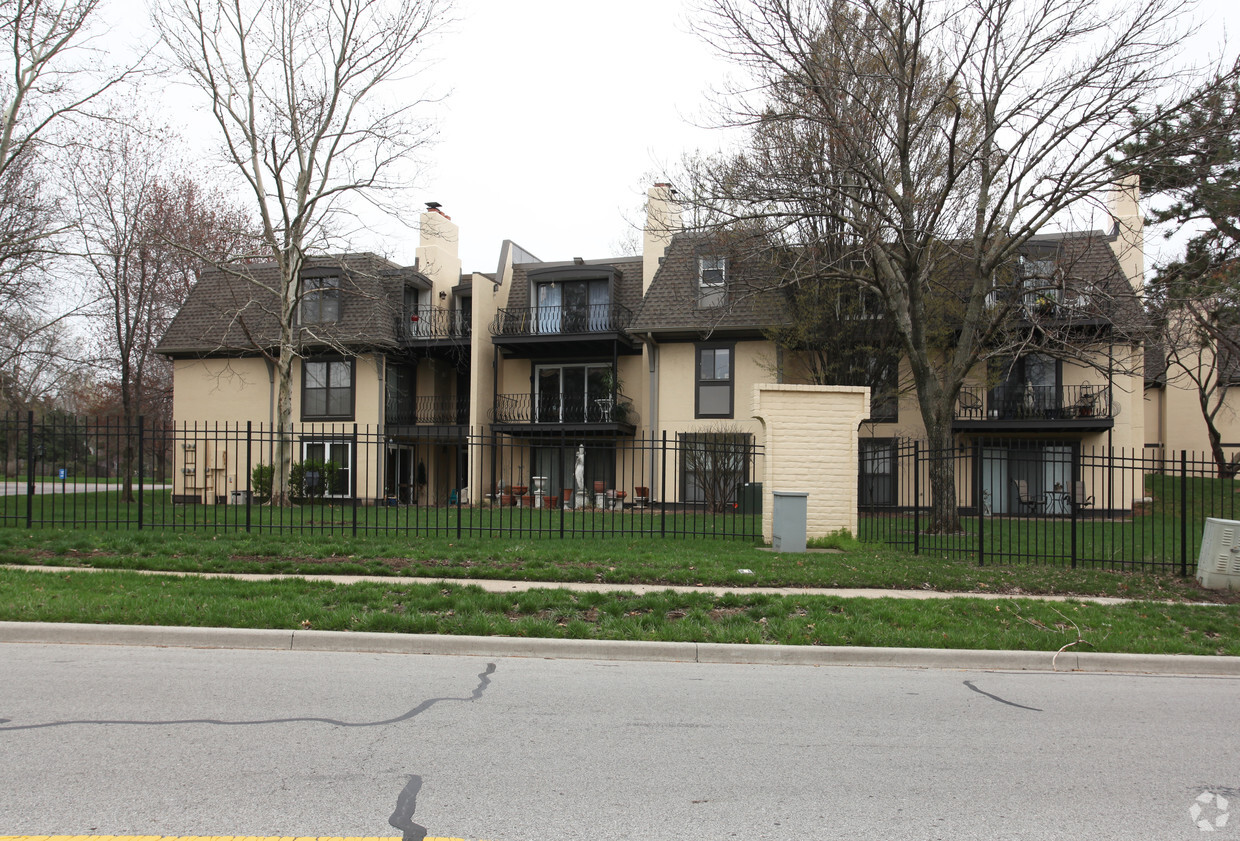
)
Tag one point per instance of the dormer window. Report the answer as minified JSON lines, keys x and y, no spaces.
{"x":1038,"y":282}
{"x":320,"y":300}
{"x":712,"y":281}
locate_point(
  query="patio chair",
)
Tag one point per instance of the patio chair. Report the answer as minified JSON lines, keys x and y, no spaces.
{"x":1079,"y":500}
{"x":1030,"y":503}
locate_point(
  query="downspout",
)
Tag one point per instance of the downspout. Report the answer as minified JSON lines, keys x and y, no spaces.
{"x":652,"y":365}
{"x":271,"y":391}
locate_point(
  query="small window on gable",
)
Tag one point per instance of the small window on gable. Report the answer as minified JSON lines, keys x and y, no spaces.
{"x":712,"y":281}
{"x":320,"y":300}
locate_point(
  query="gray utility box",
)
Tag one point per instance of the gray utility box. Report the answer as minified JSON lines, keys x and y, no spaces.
{"x":1218,"y":565}
{"x":788,"y":514}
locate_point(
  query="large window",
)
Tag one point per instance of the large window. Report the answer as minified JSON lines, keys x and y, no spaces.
{"x":714,"y":381}
{"x":320,"y":300}
{"x":574,"y":306}
{"x":327,"y":389}
{"x":713,"y":466}
{"x":877,"y":477}
{"x":573,"y":394}
{"x":327,"y":468}
{"x":712,"y":281}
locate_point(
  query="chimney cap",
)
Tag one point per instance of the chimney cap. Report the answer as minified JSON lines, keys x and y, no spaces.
{"x":433,"y":205}
{"x":579,"y":261}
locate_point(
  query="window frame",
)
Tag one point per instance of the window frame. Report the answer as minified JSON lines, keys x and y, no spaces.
{"x":352,"y":387}
{"x":316,"y":287}
{"x":698,"y":349}
{"x":328,"y":443}
{"x":714,"y":294}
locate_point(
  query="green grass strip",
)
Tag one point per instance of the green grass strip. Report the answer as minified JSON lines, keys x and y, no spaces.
{"x":1018,"y":624}
{"x":610,"y":560}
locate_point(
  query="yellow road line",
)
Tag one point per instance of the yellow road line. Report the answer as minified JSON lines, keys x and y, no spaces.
{"x":202,"y":838}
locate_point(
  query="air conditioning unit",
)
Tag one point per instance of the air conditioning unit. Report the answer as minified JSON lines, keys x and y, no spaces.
{"x":1218,"y":566}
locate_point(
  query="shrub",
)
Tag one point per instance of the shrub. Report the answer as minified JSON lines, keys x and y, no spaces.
{"x":260,"y":482}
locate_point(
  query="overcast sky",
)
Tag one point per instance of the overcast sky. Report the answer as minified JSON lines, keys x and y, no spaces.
{"x":559,"y":114}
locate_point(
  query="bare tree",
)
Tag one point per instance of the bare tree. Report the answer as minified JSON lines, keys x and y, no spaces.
{"x":51,"y":79}
{"x":920,"y":145}
{"x":300,"y":93}
{"x":139,"y":227}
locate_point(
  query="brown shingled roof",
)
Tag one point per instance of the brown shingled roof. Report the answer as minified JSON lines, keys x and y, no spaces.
{"x":671,"y":303}
{"x":234,"y":311}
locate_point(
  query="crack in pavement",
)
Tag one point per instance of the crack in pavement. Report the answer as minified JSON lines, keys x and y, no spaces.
{"x":969,"y":684}
{"x":484,"y":681}
{"x":402,"y":817}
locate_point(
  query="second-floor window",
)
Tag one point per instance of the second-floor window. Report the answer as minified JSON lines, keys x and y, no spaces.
{"x":714,"y":381}
{"x":712,"y":281}
{"x":327,"y":389}
{"x":320,"y":300}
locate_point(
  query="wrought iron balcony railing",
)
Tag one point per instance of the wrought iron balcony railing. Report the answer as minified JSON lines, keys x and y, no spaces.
{"x":550,"y":321}
{"x":564,"y":408}
{"x":427,"y":411}
{"x":433,"y":323}
{"x":1034,"y":402}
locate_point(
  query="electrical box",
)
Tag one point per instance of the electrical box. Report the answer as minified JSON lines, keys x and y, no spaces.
{"x":1218,"y":566}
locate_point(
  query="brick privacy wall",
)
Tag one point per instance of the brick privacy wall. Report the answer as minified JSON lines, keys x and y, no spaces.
{"x":811,"y":447}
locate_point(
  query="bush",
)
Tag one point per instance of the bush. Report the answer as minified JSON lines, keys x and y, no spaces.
{"x":313,"y":479}
{"x":260,"y":482}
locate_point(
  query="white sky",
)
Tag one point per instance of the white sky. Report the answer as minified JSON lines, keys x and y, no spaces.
{"x":558,"y":112}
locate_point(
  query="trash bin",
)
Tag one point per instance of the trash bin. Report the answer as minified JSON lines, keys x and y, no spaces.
{"x":749,"y":500}
{"x":788,"y":515}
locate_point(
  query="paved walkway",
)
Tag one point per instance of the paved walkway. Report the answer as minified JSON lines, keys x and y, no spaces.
{"x":503,"y":586}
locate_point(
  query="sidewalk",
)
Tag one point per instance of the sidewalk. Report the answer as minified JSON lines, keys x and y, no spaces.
{"x":504,"y":586}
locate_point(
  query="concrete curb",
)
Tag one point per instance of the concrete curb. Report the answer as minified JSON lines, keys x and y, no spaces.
{"x":670,"y":652}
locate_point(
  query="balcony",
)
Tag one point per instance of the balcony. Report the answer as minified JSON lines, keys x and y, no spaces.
{"x":1075,"y":407}
{"x":427,"y":411}
{"x":574,"y":412}
{"x":433,"y":324}
{"x":591,"y":328}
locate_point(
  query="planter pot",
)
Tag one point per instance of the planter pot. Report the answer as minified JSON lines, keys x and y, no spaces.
{"x":599,"y":487}
{"x":506,"y":500}
{"x":519,"y":490}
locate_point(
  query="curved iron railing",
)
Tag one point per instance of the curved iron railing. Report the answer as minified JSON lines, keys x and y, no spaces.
{"x":428,"y":411}
{"x":550,"y":321}
{"x":433,"y":323}
{"x":564,"y":408}
{"x":1033,"y":402}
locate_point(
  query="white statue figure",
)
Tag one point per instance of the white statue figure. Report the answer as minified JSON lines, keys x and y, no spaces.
{"x":579,"y":472}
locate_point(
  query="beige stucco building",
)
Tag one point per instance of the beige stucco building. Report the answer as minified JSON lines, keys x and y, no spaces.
{"x":579,"y":370}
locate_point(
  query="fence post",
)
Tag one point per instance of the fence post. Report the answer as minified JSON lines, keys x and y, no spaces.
{"x":249,"y":470}
{"x":663,"y":489}
{"x":979,"y":500}
{"x":141,"y":465}
{"x":353,"y":478}
{"x":1184,"y":513}
{"x":1072,"y":506}
{"x":29,"y":469}
{"x":916,"y":497}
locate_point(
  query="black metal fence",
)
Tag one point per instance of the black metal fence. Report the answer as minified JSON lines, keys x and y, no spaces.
{"x":1046,"y":502}
{"x":351,"y":479}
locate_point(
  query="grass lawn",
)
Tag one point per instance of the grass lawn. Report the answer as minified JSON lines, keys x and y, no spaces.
{"x":620,"y":560}
{"x":454,"y":608}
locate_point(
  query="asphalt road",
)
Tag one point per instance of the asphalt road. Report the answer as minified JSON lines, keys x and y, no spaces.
{"x":171,"y":741}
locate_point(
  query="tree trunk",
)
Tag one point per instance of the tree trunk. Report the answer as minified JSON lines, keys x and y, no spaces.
{"x":944,"y":511}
